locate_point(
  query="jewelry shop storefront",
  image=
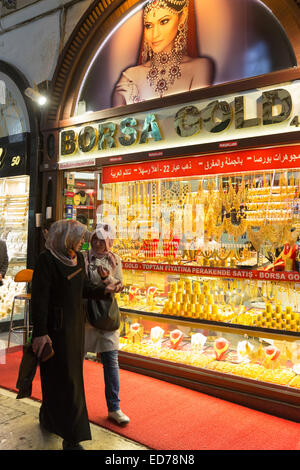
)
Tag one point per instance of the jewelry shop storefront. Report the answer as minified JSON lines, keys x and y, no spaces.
{"x":196,"y":165}
{"x":18,"y":187}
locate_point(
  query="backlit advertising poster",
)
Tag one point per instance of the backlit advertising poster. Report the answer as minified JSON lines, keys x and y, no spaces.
{"x":164,"y":47}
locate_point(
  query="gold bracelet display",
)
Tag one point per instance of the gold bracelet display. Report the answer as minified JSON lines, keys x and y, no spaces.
{"x":221,"y":300}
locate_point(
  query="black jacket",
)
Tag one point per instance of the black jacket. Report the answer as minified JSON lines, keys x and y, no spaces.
{"x":57,"y":310}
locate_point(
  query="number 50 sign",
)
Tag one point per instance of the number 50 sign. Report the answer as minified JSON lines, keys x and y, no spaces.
{"x":13,"y":156}
{"x":15,"y":161}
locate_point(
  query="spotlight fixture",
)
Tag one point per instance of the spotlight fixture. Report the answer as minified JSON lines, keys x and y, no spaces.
{"x":36,"y":96}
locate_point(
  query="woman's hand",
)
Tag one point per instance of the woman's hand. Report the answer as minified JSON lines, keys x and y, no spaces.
{"x":103,"y":272}
{"x":119,"y":287}
{"x":114,"y":287}
{"x":38,"y":344}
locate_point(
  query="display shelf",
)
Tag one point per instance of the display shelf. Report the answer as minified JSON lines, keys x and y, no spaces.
{"x":237,"y":303}
{"x":215,"y":325}
{"x":252,"y":367}
{"x":211,"y":368}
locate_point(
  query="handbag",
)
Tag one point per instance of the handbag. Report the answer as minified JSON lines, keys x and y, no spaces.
{"x":28,"y":368}
{"x":103,"y":314}
{"x":27,"y":371}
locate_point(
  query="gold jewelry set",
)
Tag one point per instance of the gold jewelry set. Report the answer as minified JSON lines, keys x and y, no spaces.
{"x":177,"y":5}
{"x":269,"y":208}
{"x":165,"y":68}
{"x":193,"y":300}
{"x":219,"y":206}
{"x":232,"y":205}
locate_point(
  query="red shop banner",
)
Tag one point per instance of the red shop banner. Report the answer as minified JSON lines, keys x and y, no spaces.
{"x":234,"y":273}
{"x":274,"y":158}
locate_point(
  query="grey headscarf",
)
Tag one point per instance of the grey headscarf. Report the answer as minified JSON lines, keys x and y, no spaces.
{"x":63,"y":236}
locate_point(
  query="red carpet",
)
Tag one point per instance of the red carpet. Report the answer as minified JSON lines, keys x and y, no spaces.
{"x":169,"y":417}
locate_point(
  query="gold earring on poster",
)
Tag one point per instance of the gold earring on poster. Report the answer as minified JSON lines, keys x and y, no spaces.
{"x":180,"y":43}
{"x":147,"y":52}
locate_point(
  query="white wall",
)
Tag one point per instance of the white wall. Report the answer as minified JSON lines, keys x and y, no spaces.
{"x":32,"y":38}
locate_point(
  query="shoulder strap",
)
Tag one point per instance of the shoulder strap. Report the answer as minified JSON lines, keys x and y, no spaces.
{"x":86,"y":259}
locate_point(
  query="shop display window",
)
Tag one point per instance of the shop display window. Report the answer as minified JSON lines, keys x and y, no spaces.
{"x":251,"y":303}
{"x":14,"y":203}
{"x":82,"y":199}
{"x":210,"y":269}
{"x":250,"y":356}
{"x":246,"y":221}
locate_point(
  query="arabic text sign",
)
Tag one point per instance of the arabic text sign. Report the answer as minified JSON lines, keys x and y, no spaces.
{"x":234,"y":162}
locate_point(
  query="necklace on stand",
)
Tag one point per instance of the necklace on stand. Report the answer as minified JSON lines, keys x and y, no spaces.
{"x":164,"y":70}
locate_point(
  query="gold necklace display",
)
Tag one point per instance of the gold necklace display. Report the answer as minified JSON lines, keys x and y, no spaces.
{"x":261,"y":208}
{"x":225,"y":210}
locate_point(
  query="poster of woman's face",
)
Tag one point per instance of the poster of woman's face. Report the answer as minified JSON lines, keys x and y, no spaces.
{"x":163,"y":47}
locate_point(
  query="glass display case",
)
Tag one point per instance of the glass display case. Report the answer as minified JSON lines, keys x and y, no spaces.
{"x":80,"y":197}
{"x":243,"y":221}
{"x":14,"y":204}
{"x":267,"y":305}
{"x":211,"y":281}
{"x":215,"y":324}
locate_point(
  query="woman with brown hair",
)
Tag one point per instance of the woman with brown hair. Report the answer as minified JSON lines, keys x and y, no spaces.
{"x":59,"y":285}
{"x":169,"y":60}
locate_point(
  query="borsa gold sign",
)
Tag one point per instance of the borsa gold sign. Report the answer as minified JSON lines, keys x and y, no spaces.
{"x":257,"y":112}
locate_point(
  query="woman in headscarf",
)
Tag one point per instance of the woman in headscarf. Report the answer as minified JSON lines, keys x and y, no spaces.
{"x":59,"y":285}
{"x":104,"y":267}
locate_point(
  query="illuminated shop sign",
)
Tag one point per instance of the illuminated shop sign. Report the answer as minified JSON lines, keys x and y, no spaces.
{"x":257,"y":112}
{"x":13,"y":156}
{"x":201,"y":43}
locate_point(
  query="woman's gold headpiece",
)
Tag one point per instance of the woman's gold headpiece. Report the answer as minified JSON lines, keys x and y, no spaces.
{"x":180,"y":42}
{"x":177,"y":5}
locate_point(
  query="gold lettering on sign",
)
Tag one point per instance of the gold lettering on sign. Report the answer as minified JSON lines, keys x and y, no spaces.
{"x":272,"y":101}
{"x":68,"y":142}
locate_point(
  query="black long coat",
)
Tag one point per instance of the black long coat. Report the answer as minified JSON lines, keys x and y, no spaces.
{"x":57,"y":310}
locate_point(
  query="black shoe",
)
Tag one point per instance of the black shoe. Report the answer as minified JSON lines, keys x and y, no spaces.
{"x":72,"y":445}
{"x":43,"y":426}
